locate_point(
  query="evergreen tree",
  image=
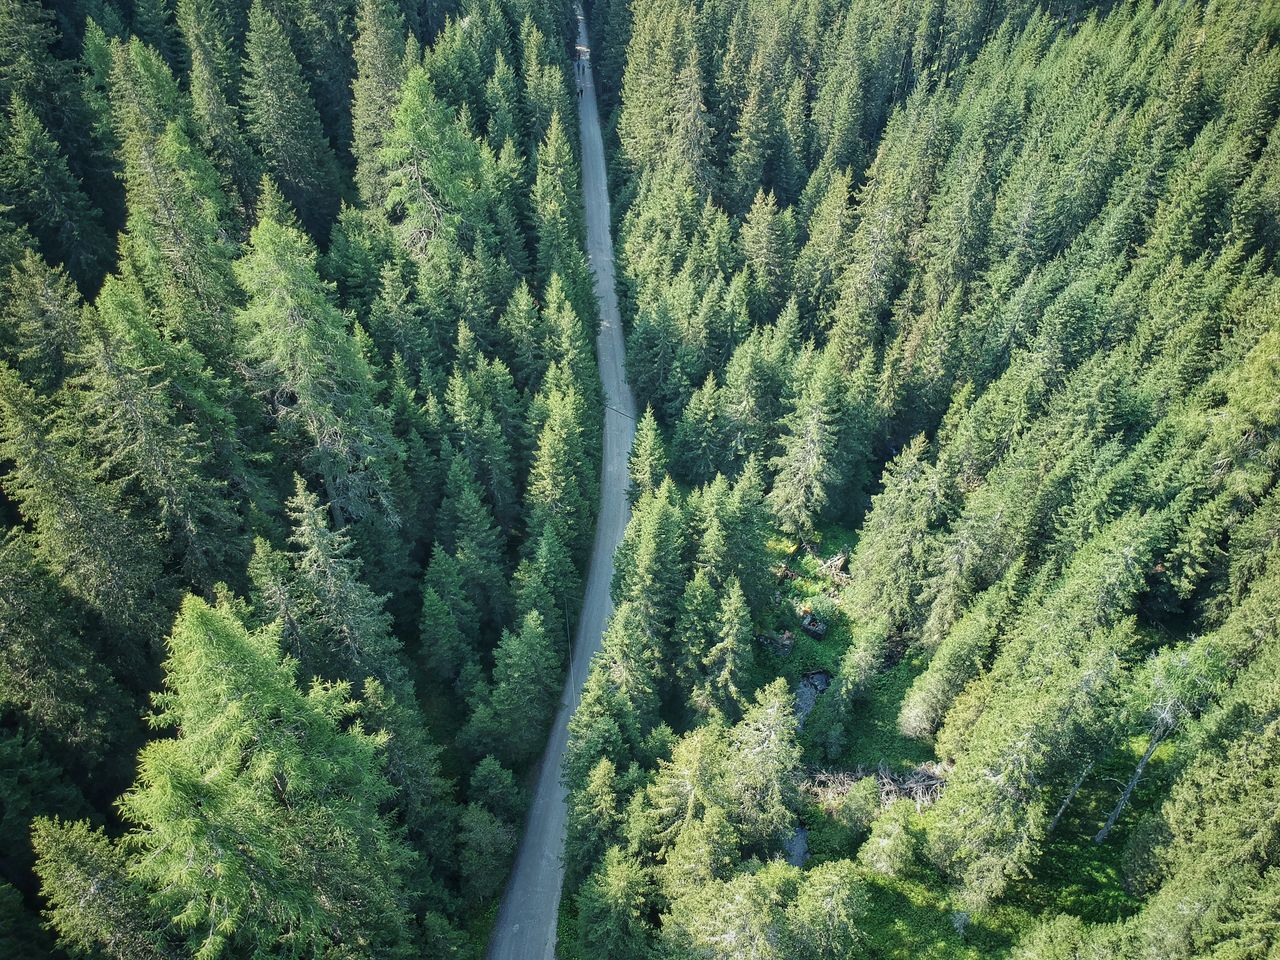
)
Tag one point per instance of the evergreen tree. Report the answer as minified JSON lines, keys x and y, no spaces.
{"x":728,"y":660}
{"x":316,"y":383}
{"x":43,"y":319}
{"x":699,"y":444}
{"x":176,"y":242}
{"x":213,"y":78}
{"x":767,"y":250}
{"x":555,"y":497}
{"x":468,"y":531}
{"x":308,"y":808}
{"x":761,"y":765}
{"x":379,"y":53}
{"x":51,"y":678}
{"x":525,"y":688}
{"x":94,"y":902}
{"x":96,"y":548}
{"x":557,"y":216}
{"x":37,"y":184}
{"x":807,"y":471}
{"x":285,"y":125}
{"x":129,"y":417}
{"x":611,"y":908}
{"x":648,"y":462}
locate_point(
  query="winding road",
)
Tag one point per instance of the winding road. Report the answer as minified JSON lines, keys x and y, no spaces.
{"x":526,"y":924}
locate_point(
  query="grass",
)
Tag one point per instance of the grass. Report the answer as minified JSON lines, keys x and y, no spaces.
{"x":872,"y":727}
{"x":567,"y":946}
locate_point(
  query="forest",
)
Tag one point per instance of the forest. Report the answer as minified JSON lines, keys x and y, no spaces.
{"x":945,"y":621}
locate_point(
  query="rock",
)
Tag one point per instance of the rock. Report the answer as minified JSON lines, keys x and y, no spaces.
{"x":812,"y":685}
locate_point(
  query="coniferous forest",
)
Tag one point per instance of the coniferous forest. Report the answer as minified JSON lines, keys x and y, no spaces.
{"x":945,"y":623}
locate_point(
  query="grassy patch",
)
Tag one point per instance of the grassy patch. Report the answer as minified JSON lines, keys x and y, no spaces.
{"x":567,"y":947}
{"x":1086,"y":879}
{"x":908,"y":918}
{"x":872,"y":722}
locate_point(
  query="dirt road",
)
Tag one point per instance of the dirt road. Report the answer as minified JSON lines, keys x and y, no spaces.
{"x":526,"y":925}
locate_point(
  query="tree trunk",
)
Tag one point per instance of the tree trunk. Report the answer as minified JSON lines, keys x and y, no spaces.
{"x":1157,"y":736}
{"x":1070,"y":796}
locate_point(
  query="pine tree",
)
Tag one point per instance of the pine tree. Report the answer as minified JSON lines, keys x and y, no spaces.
{"x":750,"y":150}
{"x":331,"y":623}
{"x":434,"y":171}
{"x":317,"y":385}
{"x":285,"y":124}
{"x":767,"y":248}
{"x":526,"y":682}
{"x":557,"y":215}
{"x":648,"y":462}
{"x":761,"y":765}
{"x":649,"y":570}
{"x":37,"y":184}
{"x":555,"y":497}
{"x":821,"y":260}
{"x":504,"y":105}
{"x":488,"y":845}
{"x":379,"y":52}
{"x":127,"y":413}
{"x":152,"y":25}
{"x":450,"y":621}
{"x":467,"y":529}
{"x":822,"y":921}
{"x":594,"y":818}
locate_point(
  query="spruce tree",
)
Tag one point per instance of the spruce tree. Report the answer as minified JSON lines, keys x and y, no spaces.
{"x":727,"y":661}
{"x":98,"y":551}
{"x":316,"y":384}
{"x":51,"y":677}
{"x":43,"y":316}
{"x":95,"y":904}
{"x":176,"y":242}
{"x":37,"y":184}
{"x":526,"y":676}
{"x":316,"y":857}
{"x":285,"y":125}
{"x":213,"y":77}
{"x":648,"y":462}
{"x":379,"y":61}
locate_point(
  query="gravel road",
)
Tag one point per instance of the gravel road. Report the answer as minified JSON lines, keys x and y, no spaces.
{"x":526,"y":925}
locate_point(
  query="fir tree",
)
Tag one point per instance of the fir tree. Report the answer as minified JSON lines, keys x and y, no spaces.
{"x":285,"y":125}
{"x":648,"y":463}
{"x":37,"y":184}
{"x":379,"y":52}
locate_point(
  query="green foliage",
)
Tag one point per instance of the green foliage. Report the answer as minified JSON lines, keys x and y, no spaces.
{"x":318,"y":418}
{"x":285,"y":125}
{"x":36,"y":182}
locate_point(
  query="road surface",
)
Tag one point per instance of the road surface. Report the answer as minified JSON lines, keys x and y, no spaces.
{"x":526,"y":925}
